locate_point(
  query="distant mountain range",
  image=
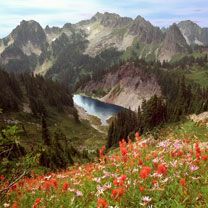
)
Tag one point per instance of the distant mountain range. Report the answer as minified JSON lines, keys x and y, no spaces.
{"x":75,"y":49}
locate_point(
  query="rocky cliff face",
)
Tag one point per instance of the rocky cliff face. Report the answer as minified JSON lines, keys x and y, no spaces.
{"x":111,"y":30}
{"x":126,"y":87}
{"x":23,"y":47}
{"x":194,"y":34}
{"x":30,"y":37}
{"x":174,"y":43}
{"x":145,"y":31}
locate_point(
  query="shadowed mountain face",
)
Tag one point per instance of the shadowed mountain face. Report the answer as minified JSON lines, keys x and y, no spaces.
{"x":173,"y":43}
{"x":65,"y":53}
{"x":145,"y":31}
{"x":29,"y":32}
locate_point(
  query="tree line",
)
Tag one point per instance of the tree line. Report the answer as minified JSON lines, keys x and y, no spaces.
{"x":179,"y":98}
{"x":41,"y":94}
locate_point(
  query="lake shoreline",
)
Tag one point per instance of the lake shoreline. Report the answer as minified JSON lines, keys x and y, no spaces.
{"x":100,"y":99}
{"x":90,"y":108}
{"x":83,"y":115}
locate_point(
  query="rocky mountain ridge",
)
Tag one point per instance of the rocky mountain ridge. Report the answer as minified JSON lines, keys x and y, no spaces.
{"x":29,"y":47}
{"x":173,"y":43}
{"x":194,"y":34}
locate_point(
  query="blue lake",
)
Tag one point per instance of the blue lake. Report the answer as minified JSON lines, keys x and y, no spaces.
{"x":97,"y":108}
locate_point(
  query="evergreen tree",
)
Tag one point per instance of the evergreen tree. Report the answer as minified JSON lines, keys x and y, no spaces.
{"x":45,"y":132}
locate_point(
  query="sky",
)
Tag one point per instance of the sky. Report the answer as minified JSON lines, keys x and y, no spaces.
{"x":161,"y":13}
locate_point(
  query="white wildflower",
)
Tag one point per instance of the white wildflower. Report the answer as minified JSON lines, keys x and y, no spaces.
{"x":6,"y":205}
{"x":47,"y":177}
{"x":79,"y":193}
{"x":194,"y":168}
{"x":97,"y":180}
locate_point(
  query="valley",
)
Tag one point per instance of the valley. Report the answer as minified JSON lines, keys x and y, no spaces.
{"x":107,"y":112}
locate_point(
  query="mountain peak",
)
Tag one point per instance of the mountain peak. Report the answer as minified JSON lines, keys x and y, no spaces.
{"x":23,"y":22}
{"x":111,"y":15}
{"x":174,"y":31}
{"x":193,"y":33}
{"x":188,"y":23}
{"x":29,"y":31}
{"x":52,"y":29}
{"x":174,"y":28}
{"x":173,"y":44}
{"x":67,"y":26}
{"x":140,"y":18}
{"x":108,"y":19}
{"x":97,"y":16}
{"x":100,"y":16}
{"x":30,"y":24}
{"x":145,"y":31}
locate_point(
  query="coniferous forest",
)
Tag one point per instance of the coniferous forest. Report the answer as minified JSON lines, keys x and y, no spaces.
{"x":180,"y":98}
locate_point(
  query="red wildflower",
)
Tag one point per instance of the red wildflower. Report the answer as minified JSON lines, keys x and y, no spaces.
{"x":116,"y":193}
{"x":205,"y":157}
{"x":37,"y":202}
{"x":141,"y":188}
{"x":21,"y":183}
{"x":123,"y":177}
{"x":116,"y":182}
{"x":154,"y":154}
{"x":102,"y":203}
{"x":162,"y":169}
{"x":198,"y":151}
{"x":144,"y":172}
{"x":148,"y":157}
{"x":154,"y":182}
{"x":102,"y":151}
{"x":177,"y":153}
{"x":54,"y":183}
{"x":123,"y":149}
{"x":120,"y":181}
{"x":14,"y":187}
{"x":49,"y":184}
{"x":15,"y":205}
{"x":138,"y":137}
{"x":183,"y":181}
{"x":65,"y":186}
{"x":2,"y":177}
{"x":187,"y":141}
{"x":140,"y":162}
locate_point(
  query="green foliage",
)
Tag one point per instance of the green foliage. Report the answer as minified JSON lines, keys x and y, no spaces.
{"x":181,"y":98}
{"x":57,"y":152}
{"x":124,"y":123}
{"x":41,"y":94}
{"x":45,"y":132}
{"x":198,"y":75}
{"x":9,"y":144}
{"x":71,"y":62}
{"x":13,"y":157}
{"x":184,"y":129}
{"x":153,"y":113}
{"x":10,"y":93}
